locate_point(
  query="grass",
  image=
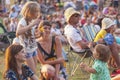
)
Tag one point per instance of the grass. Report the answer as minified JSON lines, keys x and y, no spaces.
{"x":1,"y":64}
{"x":79,"y":74}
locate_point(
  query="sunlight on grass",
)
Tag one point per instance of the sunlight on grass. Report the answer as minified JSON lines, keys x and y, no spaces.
{"x":79,"y":74}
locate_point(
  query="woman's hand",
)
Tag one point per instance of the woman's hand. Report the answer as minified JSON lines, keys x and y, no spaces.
{"x":112,"y":63}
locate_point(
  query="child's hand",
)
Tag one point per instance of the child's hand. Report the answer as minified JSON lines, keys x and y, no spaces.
{"x":90,"y":44}
{"x":35,"y":22}
{"x":82,"y":65}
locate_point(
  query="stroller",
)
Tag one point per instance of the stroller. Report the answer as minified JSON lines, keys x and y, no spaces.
{"x":5,"y":37}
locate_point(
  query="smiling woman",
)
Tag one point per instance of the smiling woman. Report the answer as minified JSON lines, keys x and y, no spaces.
{"x":50,"y":50}
{"x":14,"y":67}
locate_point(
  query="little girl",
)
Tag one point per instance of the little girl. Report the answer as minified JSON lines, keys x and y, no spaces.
{"x":99,"y":69}
{"x":26,"y":29}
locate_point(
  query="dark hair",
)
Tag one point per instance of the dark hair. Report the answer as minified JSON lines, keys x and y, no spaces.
{"x":103,"y":52}
{"x":99,"y":22}
{"x":42,"y":24}
{"x":10,"y":60}
{"x":45,"y":22}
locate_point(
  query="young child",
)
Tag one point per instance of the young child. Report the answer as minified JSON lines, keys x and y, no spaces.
{"x":13,"y":25}
{"x":26,"y":29}
{"x":99,"y":69}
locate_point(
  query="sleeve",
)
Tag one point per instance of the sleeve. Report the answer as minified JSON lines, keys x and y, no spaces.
{"x":109,"y":39}
{"x":75,"y":36}
{"x":10,"y":75}
{"x":28,"y":71}
{"x":22,"y":22}
{"x":100,"y":35}
{"x":97,"y":67}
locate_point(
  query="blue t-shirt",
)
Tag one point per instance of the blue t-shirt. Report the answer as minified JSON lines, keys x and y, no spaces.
{"x":11,"y":75}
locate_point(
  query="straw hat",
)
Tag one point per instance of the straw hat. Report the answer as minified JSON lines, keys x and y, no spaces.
{"x":107,"y":23}
{"x":69,"y":12}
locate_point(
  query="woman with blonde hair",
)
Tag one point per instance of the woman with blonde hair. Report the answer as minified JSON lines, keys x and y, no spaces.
{"x":26,"y":29}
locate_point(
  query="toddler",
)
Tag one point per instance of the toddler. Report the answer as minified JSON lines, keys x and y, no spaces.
{"x":99,"y":69}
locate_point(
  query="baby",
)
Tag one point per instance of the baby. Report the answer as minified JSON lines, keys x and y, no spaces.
{"x":99,"y":69}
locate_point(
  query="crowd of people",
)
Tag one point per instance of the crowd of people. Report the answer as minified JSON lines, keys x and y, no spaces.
{"x":42,"y":29}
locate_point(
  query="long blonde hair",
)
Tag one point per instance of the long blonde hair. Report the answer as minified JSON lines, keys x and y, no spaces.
{"x":29,"y":9}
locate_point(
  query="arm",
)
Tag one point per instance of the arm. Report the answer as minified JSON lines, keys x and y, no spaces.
{"x":87,"y":68}
{"x":21,"y":29}
{"x":115,"y":55}
{"x":116,"y":77}
{"x":58,"y":51}
{"x":34,"y":77}
{"x":82,"y":44}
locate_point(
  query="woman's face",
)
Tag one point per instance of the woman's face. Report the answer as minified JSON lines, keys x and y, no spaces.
{"x":21,"y":56}
{"x":112,"y":29}
{"x":46,"y":30}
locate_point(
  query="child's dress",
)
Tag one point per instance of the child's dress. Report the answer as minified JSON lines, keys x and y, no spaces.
{"x":102,"y":72}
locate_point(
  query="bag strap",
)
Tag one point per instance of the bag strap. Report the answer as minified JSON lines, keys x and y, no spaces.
{"x":51,"y":55}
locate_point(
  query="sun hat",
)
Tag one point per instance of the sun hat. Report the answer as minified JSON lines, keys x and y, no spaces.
{"x":69,"y":12}
{"x":107,"y":23}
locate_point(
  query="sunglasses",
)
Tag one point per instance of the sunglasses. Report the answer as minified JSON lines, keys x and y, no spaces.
{"x":76,"y":15}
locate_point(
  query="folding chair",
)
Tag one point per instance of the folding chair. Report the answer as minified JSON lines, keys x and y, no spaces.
{"x":5,"y":37}
{"x":90,"y":32}
{"x":78,"y":57}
